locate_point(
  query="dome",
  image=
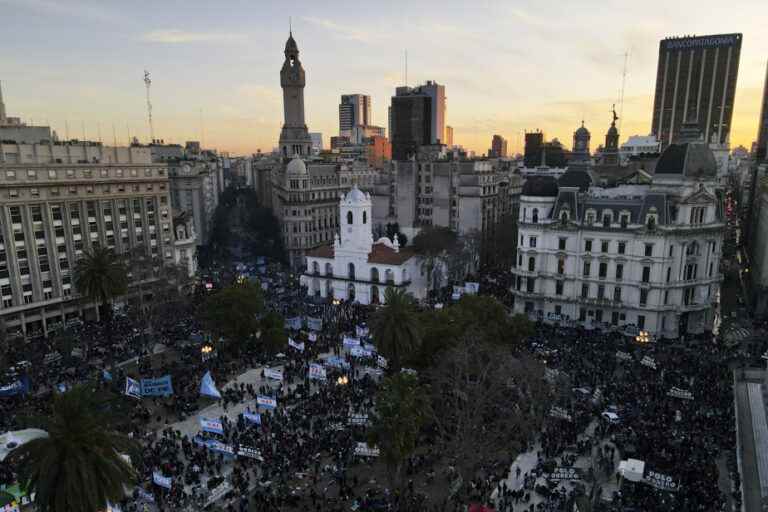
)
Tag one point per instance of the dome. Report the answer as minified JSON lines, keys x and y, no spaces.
{"x":542,"y":186}
{"x":386,"y":241}
{"x":582,"y":131}
{"x":355,"y":196}
{"x":693,"y":160}
{"x":296,"y":166}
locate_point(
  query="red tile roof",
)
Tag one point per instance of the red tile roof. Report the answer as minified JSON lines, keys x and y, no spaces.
{"x":324,"y":251}
{"x":380,"y":253}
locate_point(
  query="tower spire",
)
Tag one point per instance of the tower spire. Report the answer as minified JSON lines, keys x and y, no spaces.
{"x":2,"y":105}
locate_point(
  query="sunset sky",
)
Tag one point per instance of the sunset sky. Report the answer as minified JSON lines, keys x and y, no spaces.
{"x":507,"y":66}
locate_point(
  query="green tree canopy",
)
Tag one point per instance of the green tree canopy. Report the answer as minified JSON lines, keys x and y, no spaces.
{"x":100,"y":275}
{"x":401,"y":410}
{"x":395,"y":327}
{"x":78,"y":467}
{"x":233,"y":312}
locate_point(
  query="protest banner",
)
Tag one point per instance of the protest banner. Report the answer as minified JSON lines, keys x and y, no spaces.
{"x":315,"y":324}
{"x":649,"y":362}
{"x":351,"y":342}
{"x":213,"y":426}
{"x":623,"y":356}
{"x":363,"y":450}
{"x":253,"y":417}
{"x":360,"y":352}
{"x":157,"y":387}
{"x":251,"y":453}
{"x":132,"y":388}
{"x":159,"y":479}
{"x":317,"y":372}
{"x":560,"y":413}
{"x":297,"y":345}
{"x":273,"y":373}
{"x":565,"y":473}
{"x":680,"y":393}
{"x":358,"y":419}
{"x":208,"y":386}
{"x":266,"y":401}
{"x":336,"y":362}
{"x":18,"y":387}
{"x":471,"y":288}
{"x":660,"y":481}
{"x":293,"y":323}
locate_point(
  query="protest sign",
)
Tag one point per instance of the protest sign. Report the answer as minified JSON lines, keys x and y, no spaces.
{"x":316,"y":372}
{"x":274,"y":374}
{"x":157,"y":387}
{"x":132,"y":388}
{"x":266,"y":401}
{"x":297,"y":345}
{"x":660,"y":481}
{"x":213,"y":426}
{"x":351,"y":342}
{"x":159,"y":479}
{"x":565,"y":473}
{"x":312,"y":336}
{"x":253,"y":417}
{"x":315,"y":324}
{"x":360,"y":352}
{"x":293,"y":323}
{"x":251,"y":453}
{"x":680,"y":393}
{"x":363,"y":450}
{"x":358,"y":419}
{"x":649,"y":362}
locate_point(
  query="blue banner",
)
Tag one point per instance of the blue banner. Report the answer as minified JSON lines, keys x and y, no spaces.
{"x":212,"y":426}
{"x":253,"y":417}
{"x":157,"y":387}
{"x":314,"y":324}
{"x":208,"y":386}
{"x":20,"y":387}
{"x":161,"y":480}
{"x":106,"y":375}
{"x":132,"y":387}
{"x":293,"y":323}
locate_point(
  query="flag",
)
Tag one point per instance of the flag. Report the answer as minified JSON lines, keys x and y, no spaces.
{"x":208,"y":386}
{"x":266,"y":401}
{"x":316,"y":372}
{"x":132,"y":387}
{"x":313,"y":336}
{"x":213,"y":426}
{"x":297,"y":345}
{"x":106,"y":375}
{"x":161,"y":480}
{"x":253,"y":417}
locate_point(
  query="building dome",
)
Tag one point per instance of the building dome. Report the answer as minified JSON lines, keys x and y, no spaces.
{"x":296,"y":166}
{"x":355,"y":196}
{"x":693,"y":160}
{"x":581,"y":131}
{"x":542,"y":186}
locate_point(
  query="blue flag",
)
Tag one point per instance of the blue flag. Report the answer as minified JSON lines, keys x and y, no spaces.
{"x":106,"y":375}
{"x":208,"y":387}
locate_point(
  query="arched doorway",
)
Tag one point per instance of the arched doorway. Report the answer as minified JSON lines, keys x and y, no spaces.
{"x":329,"y":289}
{"x":375,"y":295}
{"x":351,"y":292}
{"x":316,"y":287}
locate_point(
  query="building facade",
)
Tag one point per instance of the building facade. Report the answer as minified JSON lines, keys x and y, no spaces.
{"x":633,"y":257}
{"x":195,"y":189}
{"x":354,"y":268}
{"x":696,"y":82}
{"x":417,"y":118}
{"x":59,"y":200}
{"x":761,"y":151}
{"x":498,"y":147}
{"x":354,"y":110}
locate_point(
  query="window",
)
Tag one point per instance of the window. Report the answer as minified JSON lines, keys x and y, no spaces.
{"x":531,"y":264}
{"x":641,"y":321}
{"x":671,"y":250}
{"x":646,"y":274}
{"x":350,"y":218}
{"x":564,"y":217}
{"x":530,"y":284}
{"x":51,"y":174}
{"x":587,"y":268}
{"x":588,"y":245}
{"x":602,"y":270}
{"x":582,"y":314}
{"x":666,"y":297}
{"x":711,"y":268}
{"x":365,"y":217}
{"x":643,"y":296}
{"x":624,"y":219}
{"x":619,"y":271}
{"x":604,"y":246}
{"x":535,"y":216}
{"x":607,"y":220}
{"x":697,"y":214}
{"x":591,"y":217}
{"x":584,"y":291}
{"x":689,"y":296}
{"x":617,"y":294}
{"x":10,"y":175}
{"x":669,"y":274}
{"x":558,"y":287}
{"x":649,"y":250}
{"x":352,"y":271}
{"x":601,"y":291}
{"x":622,"y":247}
{"x":615,"y":318}
{"x":561,"y":266}
{"x":598,"y":315}
{"x":532,"y":241}
{"x":561,"y":243}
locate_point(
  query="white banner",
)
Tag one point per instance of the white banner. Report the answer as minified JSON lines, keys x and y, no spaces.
{"x":209,"y":425}
{"x":358,"y":419}
{"x":649,"y":362}
{"x":363,"y":450}
{"x":316,"y":372}
{"x":351,"y":342}
{"x":266,"y":401}
{"x":273,"y":374}
{"x":559,"y":412}
{"x":680,"y":393}
{"x":297,"y":345}
{"x":360,"y":352}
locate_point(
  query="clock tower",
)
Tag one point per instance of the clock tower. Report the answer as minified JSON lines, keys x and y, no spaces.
{"x":294,"y":137}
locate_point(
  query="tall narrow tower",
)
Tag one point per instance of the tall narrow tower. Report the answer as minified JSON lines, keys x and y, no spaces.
{"x":294,"y":137}
{"x":2,"y":106}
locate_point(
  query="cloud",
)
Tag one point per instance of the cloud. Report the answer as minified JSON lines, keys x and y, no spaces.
{"x":348,"y":32}
{"x":85,"y":10}
{"x":255,"y":91}
{"x":176,"y":36}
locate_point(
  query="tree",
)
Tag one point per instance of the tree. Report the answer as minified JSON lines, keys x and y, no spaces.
{"x":233,"y":313}
{"x":100,"y":276}
{"x":393,"y":230}
{"x":485,"y":402}
{"x":78,"y":467}
{"x":434,"y":244}
{"x":273,"y":338}
{"x":401,"y":410}
{"x":395,"y":327}
{"x":464,"y":255}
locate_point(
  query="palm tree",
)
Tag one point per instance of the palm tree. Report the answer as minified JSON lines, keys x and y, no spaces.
{"x":100,"y":275}
{"x":78,"y":467}
{"x":395,"y":328}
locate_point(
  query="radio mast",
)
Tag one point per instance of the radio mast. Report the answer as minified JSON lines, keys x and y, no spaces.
{"x":148,"y":82}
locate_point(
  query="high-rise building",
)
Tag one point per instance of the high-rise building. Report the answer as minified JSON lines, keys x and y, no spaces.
{"x":498,"y":147}
{"x":449,"y":136}
{"x":354,"y":110}
{"x":762,"y":129}
{"x":317,"y":142}
{"x":417,"y":118}
{"x":294,"y":137}
{"x":696,"y":83}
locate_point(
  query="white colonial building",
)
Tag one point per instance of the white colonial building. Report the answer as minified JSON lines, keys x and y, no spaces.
{"x":642,"y":256}
{"x":355,"y":268}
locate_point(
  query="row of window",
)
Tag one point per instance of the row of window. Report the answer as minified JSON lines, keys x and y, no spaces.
{"x":691,"y":249}
{"x":33,"y":174}
{"x":14,"y":193}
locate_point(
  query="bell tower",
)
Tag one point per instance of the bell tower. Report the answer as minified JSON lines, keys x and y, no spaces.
{"x":294,"y":137}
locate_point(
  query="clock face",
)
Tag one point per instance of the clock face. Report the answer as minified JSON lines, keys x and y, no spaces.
{"x":293,"y":74}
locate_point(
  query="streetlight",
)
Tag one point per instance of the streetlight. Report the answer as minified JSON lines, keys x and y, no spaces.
{"x":643,"y":337}
{"x":206,"y":352}
{"x":343,"y":380}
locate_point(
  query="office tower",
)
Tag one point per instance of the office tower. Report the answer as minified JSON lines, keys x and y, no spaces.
{"x":762,"y":129}
{"x":449,"y":136}
{"x":534,"y":141}
{"x":294,"y":137}
{"x":696,"y":83}
{"x":498,"y":147}
{"x":354,"y":110}
{"x":417,"y":118}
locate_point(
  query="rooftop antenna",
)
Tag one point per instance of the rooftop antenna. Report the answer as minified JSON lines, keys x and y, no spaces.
{"x":290,"y":27}
{"x":98,"y":130}
{"x":114,"y":134}
{"x":623,"y":84}
{"x":406,"y":67}
{"x":148,"y":82}
{"x":66,"y":129}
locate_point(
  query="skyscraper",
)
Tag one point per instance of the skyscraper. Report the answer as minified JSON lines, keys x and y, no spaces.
{"x":449,"y":136}
{"x":354,"y":110}
{"x":762,"y":128}
{"x":498,"y":147}
{"x":294,"y":137}
{"x":417,"y":118}
{"x":696,"y":83}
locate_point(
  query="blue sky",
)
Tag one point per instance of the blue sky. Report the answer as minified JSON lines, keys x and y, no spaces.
{"x":507,"y":66}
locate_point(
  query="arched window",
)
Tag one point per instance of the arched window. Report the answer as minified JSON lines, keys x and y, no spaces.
{"x":374,"y":275}
{"x":349,"y":218}
{"x":365,"y":217}
{"x":351,"y":292}
{"x":315,"y":267}
{"x":352,"y":271}
{"x":535,"y":216}
{"x":531,"y":264}
{"x":374,"y":294}
{"x":328,"y":269}
{"x":564,"y":217}
{"x":390,"y":276}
